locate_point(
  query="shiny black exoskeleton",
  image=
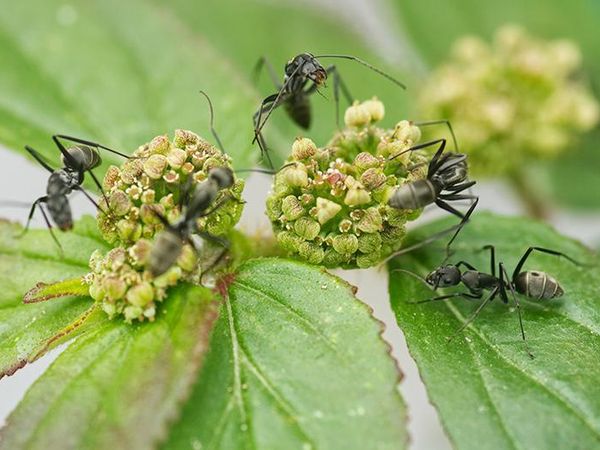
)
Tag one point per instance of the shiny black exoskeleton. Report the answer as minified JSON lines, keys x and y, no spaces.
{"x":447,"y":177}
{"x":303,"y":76}
{"x":77,"y":160}
{"x":169,"y":243}
{"x":533,"y":284}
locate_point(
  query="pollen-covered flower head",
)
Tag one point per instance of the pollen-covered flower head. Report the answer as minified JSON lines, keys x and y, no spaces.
{"x":153,"y":184}
{"x":329,"y":205}
{"x":512,"y":100}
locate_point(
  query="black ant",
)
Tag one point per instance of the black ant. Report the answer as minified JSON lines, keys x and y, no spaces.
{"x":169,"y":243}
{"x":304,"y":75}
{"x":77,"y":160}
{"x":533,"y":284}
{"x":446,"y":172}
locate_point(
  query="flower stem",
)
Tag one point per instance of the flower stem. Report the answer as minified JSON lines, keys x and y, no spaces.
{"x":534,"y":202}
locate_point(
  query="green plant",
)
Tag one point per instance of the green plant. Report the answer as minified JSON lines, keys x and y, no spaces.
{"x":278,"y":353}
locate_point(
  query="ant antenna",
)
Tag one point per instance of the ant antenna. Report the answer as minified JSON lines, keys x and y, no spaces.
{"x":412,"y":274}
{"x":366,"y":64}
{"x":212,"y":121}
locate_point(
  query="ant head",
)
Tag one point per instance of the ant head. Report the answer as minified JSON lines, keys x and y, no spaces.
{"x":307,"y":66}
{"x":223,"y":177}
{"x":444,"y":276}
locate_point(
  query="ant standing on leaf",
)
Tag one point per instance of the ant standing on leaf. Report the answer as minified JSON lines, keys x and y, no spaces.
{"x":533,"y":284}
{"x":77,"y":160}
{"x":304,"y":75}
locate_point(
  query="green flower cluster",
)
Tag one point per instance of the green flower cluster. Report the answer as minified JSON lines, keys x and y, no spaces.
{"x":515,"y":99}
{"x":329,"y":205}
{"x":151,"y":182}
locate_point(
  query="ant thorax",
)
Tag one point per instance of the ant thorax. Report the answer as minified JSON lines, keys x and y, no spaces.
{"x":451,"y":175}
{"x":62,"y":182}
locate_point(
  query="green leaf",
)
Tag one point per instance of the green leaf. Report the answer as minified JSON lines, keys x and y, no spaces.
{"x":116,"y":72}
{"x":295,"y":362}
{"x":29,"y":330}
{"x":121,"y":73}
{"x":119,"y":385}
{"x":489,"y":393}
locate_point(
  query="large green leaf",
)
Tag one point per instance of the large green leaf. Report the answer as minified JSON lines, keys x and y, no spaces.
{"x":116,"y":72}
{"x":489,"y":393}
{"x":295,"y":362}
{"x":119,"y":385}
{"x":123,"y":72}
{"x":27,"y":330}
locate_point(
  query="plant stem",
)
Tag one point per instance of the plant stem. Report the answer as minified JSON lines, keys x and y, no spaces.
{"x":535,"y":203}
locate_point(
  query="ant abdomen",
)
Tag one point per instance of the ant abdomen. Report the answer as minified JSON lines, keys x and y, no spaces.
{"x":537,"y":285}
{"x":415,"y":195}
{"x":165,"y":252}
{"x":60,"y":211}
{"x":86,"y":157}
{"x":298,"y":108}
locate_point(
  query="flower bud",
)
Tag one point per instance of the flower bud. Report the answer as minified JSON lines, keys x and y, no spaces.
{"x":311,"y":252}
{"x":140,"y":295}
{"x":187,"y":259}
{"x":154,"y":166}
{"x":365,"y":160}
{"x":292,"y":208}
{"x":371,"y":221}
{"x":375,"y":108}
{"x":357,"y":196}
{"x":159,"y":145}
{"x":307,"y":228}
{"x":114,"y":287}
{"x":303,"y":148}
{"x":357,"y":115}
{"x":369,"y":242}
{"x":345,"y":243}
{"x":295,"y":176}
{"x":176,"y":158}
{"x":326,"y":210}
{"x":119,"y":203}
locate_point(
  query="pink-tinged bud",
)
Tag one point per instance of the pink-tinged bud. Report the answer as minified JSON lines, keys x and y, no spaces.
{"x":154,"y":166}
{"x":176,"y":158}
{"x":119,"y":203}
{"x":159,"y":145}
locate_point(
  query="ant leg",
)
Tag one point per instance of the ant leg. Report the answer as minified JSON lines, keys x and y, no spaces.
{"x":438,"y":235}
{"x":543,"y":250}
{"x":212,"y":121}
{"x":338,"y":84}
{"x":267,"y":103}
{"x":504,"y":279}
{"x":38,"y":203}
{"x":39,"y":158}
{"x":492,"y":250}
{"x":56,"y":138}
{"x":99,"y":186}
{"x":439,"y":298}
{"x":438,"y":122}
{"x":462,"y":223}
{"x":473,"y":316}
{"x":91,"y":199}
{"x":442,"y":204}
{"x":460,"y":187}
{"x":442,"y":143}
{"x":263,"y":62}
{"x":466,"y":264}
{"x":31,"y":212}
{"x":275,"y":101}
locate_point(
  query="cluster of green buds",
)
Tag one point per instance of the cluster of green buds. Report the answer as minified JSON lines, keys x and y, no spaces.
{"x":329,"y":206}
{"x":149,"y":185}
{"x":515,"y":99}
